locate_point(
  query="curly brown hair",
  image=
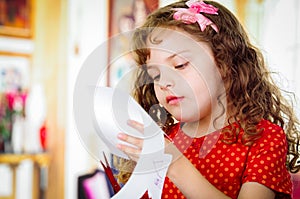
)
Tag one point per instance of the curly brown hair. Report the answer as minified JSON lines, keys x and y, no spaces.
{"x":251,"y":93}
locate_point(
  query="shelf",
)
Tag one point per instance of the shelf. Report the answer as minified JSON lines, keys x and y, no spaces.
{"x":40,"y":180}
{"x":42,"y":159}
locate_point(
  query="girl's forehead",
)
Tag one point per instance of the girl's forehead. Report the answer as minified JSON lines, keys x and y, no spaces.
{"x":169,"y":50}
{"x":174,"y":41}
{"x":169,"y":38}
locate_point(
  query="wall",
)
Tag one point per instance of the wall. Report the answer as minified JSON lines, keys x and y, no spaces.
{"x":50,"y":68}
{"x":281,"y":42}
{"x":87,"y":30}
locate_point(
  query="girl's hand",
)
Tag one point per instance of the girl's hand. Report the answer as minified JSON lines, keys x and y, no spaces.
{"x":132,"y":152}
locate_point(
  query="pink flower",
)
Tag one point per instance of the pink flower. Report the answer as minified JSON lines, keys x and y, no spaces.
{"x":16,"y":100}
{"x":10,"y":96}
{"x":202,"y":7}
{"x":185,"y":15}
{"x":192,"y":14}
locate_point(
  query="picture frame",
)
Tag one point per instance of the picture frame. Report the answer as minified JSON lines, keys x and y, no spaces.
{"x":16,"y":18}
{"x":124,"y":17}
{"x":14,"y":72}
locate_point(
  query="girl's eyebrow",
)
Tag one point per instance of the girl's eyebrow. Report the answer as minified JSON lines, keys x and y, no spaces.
{"x":177,"y":54}
{"x":150,"y":65}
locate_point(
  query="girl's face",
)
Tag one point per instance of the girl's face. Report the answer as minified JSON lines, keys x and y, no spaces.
{"x":186,"y":79}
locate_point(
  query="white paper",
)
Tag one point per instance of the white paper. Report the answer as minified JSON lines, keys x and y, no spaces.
{"x":113,"y":108}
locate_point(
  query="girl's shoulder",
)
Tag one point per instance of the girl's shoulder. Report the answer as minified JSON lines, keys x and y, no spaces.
{"x":272,"y":137}
{"x":268,"y":125}
{"x":270,"y":130}
{"x":267,"y":130}
{"x":266,"y":160}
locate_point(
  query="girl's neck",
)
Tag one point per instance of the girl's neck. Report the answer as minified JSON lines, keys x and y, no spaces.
{"x":196,"y":129}
{"x":206,"y":125}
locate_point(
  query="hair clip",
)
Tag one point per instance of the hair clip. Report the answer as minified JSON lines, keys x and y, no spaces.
{"x":192,"y":14}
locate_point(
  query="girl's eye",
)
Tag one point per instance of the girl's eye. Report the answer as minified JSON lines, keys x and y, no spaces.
{"x":156,"y":78}
{"x":155,"y":75}
{"x":181,"y":66}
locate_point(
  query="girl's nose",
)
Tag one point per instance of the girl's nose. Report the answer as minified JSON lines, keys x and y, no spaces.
{"x":165,"y":82}
{"x":165,"y":86}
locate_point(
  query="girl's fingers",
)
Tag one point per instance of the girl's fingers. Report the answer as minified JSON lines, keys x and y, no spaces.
{"x":131,"y":140}
{"x":134,"y":124}
{"x":133,"y":153}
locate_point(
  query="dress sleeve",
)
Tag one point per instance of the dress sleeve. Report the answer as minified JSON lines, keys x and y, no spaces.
{"x":266,"y":162}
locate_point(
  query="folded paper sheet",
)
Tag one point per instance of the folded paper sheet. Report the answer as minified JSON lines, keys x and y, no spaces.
{"x":113,"y":108}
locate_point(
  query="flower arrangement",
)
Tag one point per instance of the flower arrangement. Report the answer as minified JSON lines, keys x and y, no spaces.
{"x":12,"y":104}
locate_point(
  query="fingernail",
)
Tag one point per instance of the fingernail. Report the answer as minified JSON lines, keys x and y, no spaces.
{"x":119,"y":146}
{"x":130,"y":122}
{"x":121,"y":136}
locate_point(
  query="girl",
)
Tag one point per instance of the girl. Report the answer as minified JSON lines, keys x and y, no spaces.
{"x":237,"y":136}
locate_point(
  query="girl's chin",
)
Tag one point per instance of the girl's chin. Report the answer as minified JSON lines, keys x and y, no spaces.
{"x":185,"y":119}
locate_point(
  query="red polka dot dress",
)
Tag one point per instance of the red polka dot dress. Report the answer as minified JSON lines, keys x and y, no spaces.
{"x":228,"y":166}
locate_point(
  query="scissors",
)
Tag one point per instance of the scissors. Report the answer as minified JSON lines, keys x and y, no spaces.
{"x":116,"y":187}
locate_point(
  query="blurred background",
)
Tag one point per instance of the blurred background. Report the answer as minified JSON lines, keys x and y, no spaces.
{"x":44,"y":43}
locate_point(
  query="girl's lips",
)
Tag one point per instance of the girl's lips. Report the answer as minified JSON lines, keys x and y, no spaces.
{"x":173,"y":100}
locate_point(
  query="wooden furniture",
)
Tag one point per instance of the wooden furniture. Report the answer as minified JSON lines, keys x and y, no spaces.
{"x":40,"y":162}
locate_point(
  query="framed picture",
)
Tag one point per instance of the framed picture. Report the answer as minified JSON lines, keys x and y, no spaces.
{"x":16,"y":17}
{"x":124,"y":16}
{"x":14,"y":72}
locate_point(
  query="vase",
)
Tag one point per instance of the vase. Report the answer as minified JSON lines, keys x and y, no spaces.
{"x":8,"y":146}
{"x":17,"y":134}
{"x":5,"y":145}
{"x":1,"y":144}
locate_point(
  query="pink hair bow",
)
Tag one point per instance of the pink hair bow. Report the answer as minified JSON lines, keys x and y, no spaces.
{"x":192,"y":14}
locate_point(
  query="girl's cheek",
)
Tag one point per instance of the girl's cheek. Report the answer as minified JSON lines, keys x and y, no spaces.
{"x":158,"y":94}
